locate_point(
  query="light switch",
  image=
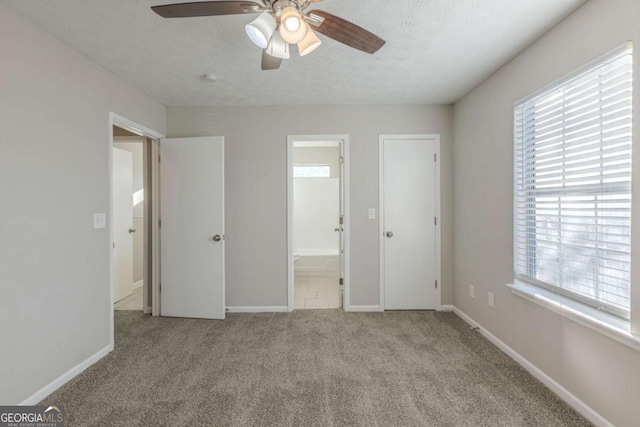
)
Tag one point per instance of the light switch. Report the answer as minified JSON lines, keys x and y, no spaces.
{"x":372,"y":213}
{"x":99,"y":220}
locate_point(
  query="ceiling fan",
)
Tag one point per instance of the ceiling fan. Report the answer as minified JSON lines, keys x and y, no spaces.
{"x":280,"y":24}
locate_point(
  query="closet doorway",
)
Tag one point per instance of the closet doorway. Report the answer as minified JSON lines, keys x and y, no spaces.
{"x":318,"y":222}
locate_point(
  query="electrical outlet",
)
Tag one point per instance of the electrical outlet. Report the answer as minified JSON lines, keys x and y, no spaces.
{"x":472,"y":291}
{"x":99,"y":220}
{"x":491,"y":301}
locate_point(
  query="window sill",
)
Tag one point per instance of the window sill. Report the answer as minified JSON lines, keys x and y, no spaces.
{"x":606,"y":324}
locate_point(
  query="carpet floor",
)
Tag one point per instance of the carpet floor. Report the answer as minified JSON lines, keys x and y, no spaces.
{"x":307,"y":368}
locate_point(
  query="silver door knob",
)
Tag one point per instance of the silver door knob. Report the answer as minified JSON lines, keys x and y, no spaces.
{"x":389,"y":233}
{"x":217,"y":238}
{"x":132,"y":230}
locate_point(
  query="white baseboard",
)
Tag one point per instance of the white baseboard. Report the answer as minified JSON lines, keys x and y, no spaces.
{"x":45,"y":391}
{"x":571,"y":399}
{"x":363,"y":308}
{"x":259,"y":309}
{"x":137,"y":285}
{"x":446,"y":307}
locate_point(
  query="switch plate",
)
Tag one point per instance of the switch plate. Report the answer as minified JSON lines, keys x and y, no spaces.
{"x":372,"y":213}
{"x":472,"y":291}
{"x":491,"y":301}
{"x":99,"y":220}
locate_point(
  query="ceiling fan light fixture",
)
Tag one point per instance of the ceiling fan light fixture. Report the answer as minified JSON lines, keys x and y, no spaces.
{"x":278,"y":48}
{"x":292,"y":28}
{"x":309,"y":43}
{"x":261,"y":30}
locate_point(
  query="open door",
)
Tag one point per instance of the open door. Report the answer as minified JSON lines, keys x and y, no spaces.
{"x":192,"y":227}
{"x":122,"y":224}
{"x":341,"y":254}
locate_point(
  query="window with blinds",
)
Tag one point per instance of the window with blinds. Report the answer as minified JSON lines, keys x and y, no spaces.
{"x":573,"y":185}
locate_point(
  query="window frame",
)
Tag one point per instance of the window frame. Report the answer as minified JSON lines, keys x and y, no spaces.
{"x":520,"y":176}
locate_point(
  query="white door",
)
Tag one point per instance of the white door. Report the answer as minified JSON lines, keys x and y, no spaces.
{"x":340,"y":227}
{"x":409,"y":206}
{"x":192,"y":227}
{"x":122,"y":223}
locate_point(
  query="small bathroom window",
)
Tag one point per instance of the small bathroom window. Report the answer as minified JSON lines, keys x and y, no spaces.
{"x":312,"y":171}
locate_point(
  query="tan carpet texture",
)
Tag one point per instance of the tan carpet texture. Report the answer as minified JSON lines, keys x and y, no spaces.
{"x":307,"y":368}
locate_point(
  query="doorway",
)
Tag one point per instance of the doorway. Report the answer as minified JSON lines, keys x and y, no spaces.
{"x":128,"y":219}
{"x":318,"y":258}
{"x":410,"y":222}
{"x":131,"y":214}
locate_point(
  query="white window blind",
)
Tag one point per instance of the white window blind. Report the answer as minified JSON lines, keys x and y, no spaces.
{"x":573,"y":186}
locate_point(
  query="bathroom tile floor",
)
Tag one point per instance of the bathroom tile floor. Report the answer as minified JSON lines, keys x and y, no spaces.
{"x":132,"y":302}
{"x":316,"y":292}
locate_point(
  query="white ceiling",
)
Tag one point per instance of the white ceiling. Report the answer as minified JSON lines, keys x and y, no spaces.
{"x":436,"y":51}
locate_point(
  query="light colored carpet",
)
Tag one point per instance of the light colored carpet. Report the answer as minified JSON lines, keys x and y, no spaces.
{"x":307,"y":368}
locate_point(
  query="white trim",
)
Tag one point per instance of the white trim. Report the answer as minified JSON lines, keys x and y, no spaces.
{"x":137,"y":285}
{"x":381,"y":228}
{"x":132,"y":126}
{"x":596,"y":320}
{"x":45,"y":391}
{"x":116,"y":120}
{"x":447,"y":307}
{"x":364,"y":308}
{"x":156,"y":307}
{"x":571,"y":399}
{"x":344,"y":139}
{"x":259,"y":309}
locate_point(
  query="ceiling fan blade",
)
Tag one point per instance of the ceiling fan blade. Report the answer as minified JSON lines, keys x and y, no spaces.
{"x":270,"y":62}
{"x":207,"y":8}
{"x":344,"y":31}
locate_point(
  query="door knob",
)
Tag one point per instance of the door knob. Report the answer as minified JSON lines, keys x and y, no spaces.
{"x":389,"y":233}
{"x":338,"y":229}
{"x":132,"y":230}
{"x":217,"y":238}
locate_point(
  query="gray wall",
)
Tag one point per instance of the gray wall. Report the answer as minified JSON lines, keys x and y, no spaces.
{"x":256,"y":193}
{"x":600,"y":371}
{"x":54,"y":268}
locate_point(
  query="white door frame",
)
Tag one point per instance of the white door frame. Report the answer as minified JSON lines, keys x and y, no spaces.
{"x":122,"y":122}
{"x":436,"y":139}
{"x":344,"y":139}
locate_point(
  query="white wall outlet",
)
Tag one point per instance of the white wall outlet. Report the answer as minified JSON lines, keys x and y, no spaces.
{"x":372,"y":213}
{"x":99,"y":220}
{"x":472,"y":291}
{"x":491,"y":301}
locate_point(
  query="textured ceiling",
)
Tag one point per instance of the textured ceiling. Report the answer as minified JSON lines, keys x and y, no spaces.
{"x":436,"y":51}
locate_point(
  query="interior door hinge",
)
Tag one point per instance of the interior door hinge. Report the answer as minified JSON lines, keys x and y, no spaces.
{"x":160,"y":223}
{"x":160,"y":287}
{"x":436,"y":284}
{"x":341,"y":219}
{"x":435,"y":220}
{"x":435,"y":157}
{"x":341,"y":159}
{"x":341,"y":281}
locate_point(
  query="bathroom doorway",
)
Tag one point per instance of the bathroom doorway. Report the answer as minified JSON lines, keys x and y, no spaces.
{"x":130,"y":184}
{"x":318,"y":231}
